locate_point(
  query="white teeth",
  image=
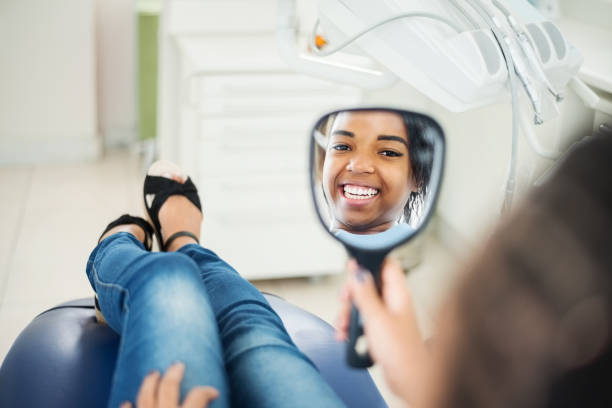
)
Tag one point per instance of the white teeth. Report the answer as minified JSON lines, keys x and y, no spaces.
{"x":359,"y":193}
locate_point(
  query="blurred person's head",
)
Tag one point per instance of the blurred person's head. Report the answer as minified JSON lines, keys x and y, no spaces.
{"x":530,"y":324}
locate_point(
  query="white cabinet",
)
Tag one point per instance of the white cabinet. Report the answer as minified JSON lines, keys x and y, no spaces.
{"x":238,"y":120}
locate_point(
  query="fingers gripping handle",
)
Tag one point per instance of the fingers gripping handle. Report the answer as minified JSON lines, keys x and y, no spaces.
{"x":357,"y":349}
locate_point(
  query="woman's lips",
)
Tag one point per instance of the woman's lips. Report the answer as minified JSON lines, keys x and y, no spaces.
{"x":358,"y":195}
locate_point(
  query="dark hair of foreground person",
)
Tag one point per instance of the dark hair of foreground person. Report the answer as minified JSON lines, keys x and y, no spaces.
{"x":533,"y":316}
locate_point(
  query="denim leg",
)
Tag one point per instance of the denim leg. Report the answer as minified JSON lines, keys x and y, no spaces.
{"x":159,"y":306}
{"x":264,"y":367}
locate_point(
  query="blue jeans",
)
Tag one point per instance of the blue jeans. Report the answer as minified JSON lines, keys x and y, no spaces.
{"x":191,"y":306}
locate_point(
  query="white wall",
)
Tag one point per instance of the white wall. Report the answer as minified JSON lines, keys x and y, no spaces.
{"x":116,"y":65}
{"x":479,"y":145}
{"x":597,"y":12}
{"x":47,"y":81}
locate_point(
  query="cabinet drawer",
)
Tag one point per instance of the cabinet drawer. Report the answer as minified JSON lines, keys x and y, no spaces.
{"x":275,"y":196}
{"x":273,"y":250}
{"x":189,"y":17}
{"x":269,"y":94}
{"x":222,"y":54}
{"x":261,"y":83}
{"x":255,"y":145}
{"x":267,"y":104}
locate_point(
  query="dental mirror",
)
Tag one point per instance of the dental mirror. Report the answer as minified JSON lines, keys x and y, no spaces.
{"x":375,"y":175}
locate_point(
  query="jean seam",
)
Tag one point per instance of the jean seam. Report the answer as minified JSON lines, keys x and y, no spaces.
{"x":258,"y":302}
{"x":115,"y":286}
{"x":284,"y":346}
{"x":125,"y":308}
{"x":119,"y":353}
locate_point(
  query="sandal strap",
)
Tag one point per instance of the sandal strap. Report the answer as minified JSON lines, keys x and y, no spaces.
{"x":129,"y":219}
{"x":177,"y":235}
{"x":162,"y":188}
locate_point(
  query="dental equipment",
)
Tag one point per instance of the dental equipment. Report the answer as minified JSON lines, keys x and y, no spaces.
{"x":527,"y":48}
{"x":317,"y":51}
{"x":508,"y":57}
{"x":472,"y":59}
{"x":286,"y":35}
{"x":436,"y":46}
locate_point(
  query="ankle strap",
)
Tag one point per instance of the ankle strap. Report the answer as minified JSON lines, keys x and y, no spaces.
{"x":177,"y":235}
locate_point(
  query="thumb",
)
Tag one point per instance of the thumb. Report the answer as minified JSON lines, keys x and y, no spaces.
{"x":394,"y":289}
{"x":364,"y":294}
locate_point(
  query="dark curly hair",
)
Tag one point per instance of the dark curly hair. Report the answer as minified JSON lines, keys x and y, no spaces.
{"x":421,"y":153}
{"x":534,"y":311}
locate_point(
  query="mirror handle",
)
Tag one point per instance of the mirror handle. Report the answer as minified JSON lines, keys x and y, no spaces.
{"x":357,"y":349}
{"x":357,"y":354}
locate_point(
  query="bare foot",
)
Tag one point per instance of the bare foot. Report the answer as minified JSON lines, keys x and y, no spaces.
{"x":179,"y":214}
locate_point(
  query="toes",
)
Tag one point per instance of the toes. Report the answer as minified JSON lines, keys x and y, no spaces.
{"x":167,"y":169}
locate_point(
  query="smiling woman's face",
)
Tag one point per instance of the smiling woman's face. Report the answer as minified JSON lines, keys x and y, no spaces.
{"x":367,"y":177}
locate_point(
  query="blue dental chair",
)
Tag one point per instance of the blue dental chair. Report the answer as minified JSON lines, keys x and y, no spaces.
{"x":65,"y":358}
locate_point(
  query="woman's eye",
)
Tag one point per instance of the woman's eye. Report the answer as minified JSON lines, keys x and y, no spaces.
{"x":391,"y":153}
{"x":340,"y":147}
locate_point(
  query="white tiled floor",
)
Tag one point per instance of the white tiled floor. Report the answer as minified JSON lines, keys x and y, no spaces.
{"x":52,"y":216}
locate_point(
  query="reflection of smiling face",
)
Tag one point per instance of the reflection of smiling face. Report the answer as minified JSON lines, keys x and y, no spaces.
{"x":367,"y":177}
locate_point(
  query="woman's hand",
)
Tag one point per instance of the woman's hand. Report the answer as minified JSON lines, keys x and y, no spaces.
{"x":389,"y":324}
{"x":164,"y":393}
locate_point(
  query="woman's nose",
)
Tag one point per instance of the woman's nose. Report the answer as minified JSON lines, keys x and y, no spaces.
{"x":360,"y":164}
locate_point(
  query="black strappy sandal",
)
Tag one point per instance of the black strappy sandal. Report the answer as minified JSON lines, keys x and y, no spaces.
{"x":148,"y":244}
{"x":162,"y":188}
{"x":129,"y":219}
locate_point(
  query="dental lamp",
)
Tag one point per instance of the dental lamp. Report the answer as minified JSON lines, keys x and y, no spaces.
{"x":462,"y":54}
